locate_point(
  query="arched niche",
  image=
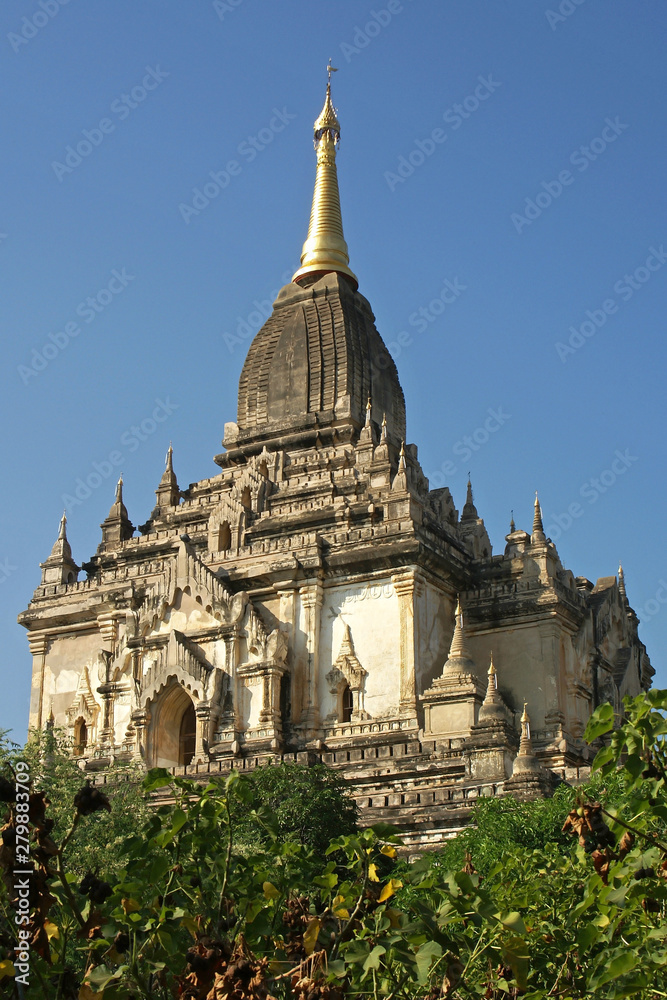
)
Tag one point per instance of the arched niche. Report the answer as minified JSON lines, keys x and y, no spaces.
{"x":346,"y":704}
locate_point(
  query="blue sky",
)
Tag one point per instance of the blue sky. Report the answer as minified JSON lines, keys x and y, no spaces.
{"x":502,"y":184}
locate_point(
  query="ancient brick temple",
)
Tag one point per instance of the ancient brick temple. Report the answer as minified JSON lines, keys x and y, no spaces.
{"x":315,"y":599}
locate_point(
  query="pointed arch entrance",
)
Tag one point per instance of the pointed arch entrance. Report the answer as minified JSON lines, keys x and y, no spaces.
{"x":173,"y":725}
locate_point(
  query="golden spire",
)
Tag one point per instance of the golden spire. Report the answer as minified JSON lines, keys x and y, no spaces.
{"x":325,"y":248}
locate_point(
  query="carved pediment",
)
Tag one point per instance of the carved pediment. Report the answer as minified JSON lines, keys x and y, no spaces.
{"x":347,"y":668}
{"x":187,"y":574}
{"x":83,"y":704}
{"x":180,"y":658}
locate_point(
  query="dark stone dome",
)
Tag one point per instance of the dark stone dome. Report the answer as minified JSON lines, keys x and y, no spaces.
{"x":313,"y":365}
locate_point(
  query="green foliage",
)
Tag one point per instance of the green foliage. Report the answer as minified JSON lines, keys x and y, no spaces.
{"x":219,"y":896}
{"x":499,"y":826}
{"x":55,"y":771}
{"x":307,"y":804}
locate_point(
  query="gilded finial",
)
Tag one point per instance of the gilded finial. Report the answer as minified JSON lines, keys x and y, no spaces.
{"x":492,"y":669}
{"x":119,"y":489}
{"x":525,"y":718}
{"x":325,"y":249}
{"x":401,"y":458}
{"x":62,"y":533}
{"x":368,"y":412}
{"x":512,"y":524}
{"x":383,"y":432}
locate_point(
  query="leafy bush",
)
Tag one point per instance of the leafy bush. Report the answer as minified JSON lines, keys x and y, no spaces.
{"x":195,"y":912}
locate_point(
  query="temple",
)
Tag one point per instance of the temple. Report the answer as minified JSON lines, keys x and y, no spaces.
{"x":314,"y":600}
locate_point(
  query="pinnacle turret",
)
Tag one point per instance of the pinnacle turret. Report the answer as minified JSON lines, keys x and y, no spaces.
{"x":525,"y":761}
{"x":538,"y":528}
{"x":469,"y":512}
{"x":60,"y":567}
{"x":401,"y":479}
{"x":117,"y":527}
{"x":459,"y":660}
{"x":167,"y":493}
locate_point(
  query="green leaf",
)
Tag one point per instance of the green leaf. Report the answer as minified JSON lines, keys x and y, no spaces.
{"x":600,"y":722}
{"x":157,"y":777}
{"x":373,"y":960}
{"x":514,"y":922}
{"x":328,"y":881}
{"x":429,"y":952}
{"x":619,"y":966}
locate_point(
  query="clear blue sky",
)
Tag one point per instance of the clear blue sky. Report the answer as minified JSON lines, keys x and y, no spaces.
{"x":540,"y":199}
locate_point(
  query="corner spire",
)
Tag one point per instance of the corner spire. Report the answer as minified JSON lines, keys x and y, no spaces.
{"x":538,"y":527}
{"x":167,"y":493}
{"x":469,"y":512}
{"x":60,"y":567}
{"x":401,"y":479}
{"x":493,"y":707}
{"x":458,"y":649}
{"x":117,"y":527}
{"x":621,"y":585}
{"x":526,"y":767}
{"x":325,"y":249}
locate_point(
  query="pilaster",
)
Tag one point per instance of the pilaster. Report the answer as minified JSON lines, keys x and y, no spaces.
{"x":408,"y":587}
{"x":39,"y":645}
{"x":312,"y":598}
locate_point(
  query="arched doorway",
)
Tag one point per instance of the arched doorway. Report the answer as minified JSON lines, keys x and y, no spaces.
{"x":224,"y":537}
{"x":187,"y":736}
{"x":286,"y":699}
{"x":172,"y":731}
{"x":80,"y":737}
